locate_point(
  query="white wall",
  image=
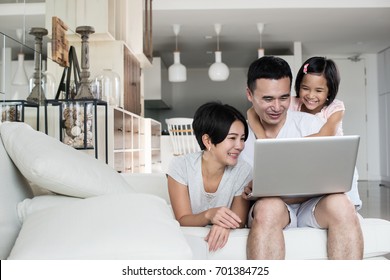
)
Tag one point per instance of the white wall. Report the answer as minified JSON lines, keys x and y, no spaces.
{"x":372,"y":102}
{"x":198,"y":89}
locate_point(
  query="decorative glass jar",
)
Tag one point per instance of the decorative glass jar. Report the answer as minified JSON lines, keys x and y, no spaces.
{"x":108,"y":87}
{"x":11,"y":112}
{"x":48,"y":84}
{"x":77,"y":124}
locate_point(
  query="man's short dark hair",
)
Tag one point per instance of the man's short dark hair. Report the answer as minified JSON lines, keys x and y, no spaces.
{"x":268,"y":67}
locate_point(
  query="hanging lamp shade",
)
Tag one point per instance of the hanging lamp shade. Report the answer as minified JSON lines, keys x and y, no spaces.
{"x":20,"y":77}
{"x":218,"y":71}
{"x":260,"y":51}
{"x":177,"y":72}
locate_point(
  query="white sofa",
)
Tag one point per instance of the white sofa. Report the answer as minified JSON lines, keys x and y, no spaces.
{"x":59,"y":203}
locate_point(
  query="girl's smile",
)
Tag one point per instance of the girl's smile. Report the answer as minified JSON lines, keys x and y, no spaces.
{"x":313,"y":93}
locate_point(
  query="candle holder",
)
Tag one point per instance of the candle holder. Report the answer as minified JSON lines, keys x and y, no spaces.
{"x":84,"y":91}
{"x":37,"y":94}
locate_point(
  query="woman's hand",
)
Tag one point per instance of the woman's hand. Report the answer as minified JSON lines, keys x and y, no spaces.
{"x":223,"y":217}
{"x":217,"y":237}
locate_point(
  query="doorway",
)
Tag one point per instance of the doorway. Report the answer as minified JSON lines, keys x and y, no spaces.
{"x":352,"y":92}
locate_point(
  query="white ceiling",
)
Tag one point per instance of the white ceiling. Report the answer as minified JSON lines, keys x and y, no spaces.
{"x":323,"y":27}
{"x":332,"y":27}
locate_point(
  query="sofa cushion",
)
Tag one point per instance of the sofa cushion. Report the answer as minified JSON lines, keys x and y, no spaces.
{"x":41,"y":202}
{"x":57,"y":167}
{"x":121,"y":226}
{"x":13,"y":188}
{"x":301,"y":243}
{"x":235,"y":248}
{"x":152,"y":183}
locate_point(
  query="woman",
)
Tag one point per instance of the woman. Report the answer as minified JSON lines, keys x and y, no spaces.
{"x":205,"y":187}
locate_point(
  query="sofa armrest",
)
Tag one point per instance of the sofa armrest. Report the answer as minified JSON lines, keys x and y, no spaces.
{"x":150,"y":183}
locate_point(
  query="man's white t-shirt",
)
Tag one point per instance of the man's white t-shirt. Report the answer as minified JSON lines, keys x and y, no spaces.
{"x":298,"y":124}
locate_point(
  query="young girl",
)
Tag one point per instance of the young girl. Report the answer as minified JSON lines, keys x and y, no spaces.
{"x":316,"y":86}
{"x":205,"y":187}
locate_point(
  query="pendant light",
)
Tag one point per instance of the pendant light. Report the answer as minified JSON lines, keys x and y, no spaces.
{"x":260,"y":28}
{"x":218,"y":71}
{"x":20,"y":77}
{"x":177,"y":72}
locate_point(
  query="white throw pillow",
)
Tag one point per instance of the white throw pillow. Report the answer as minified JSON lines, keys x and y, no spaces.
{"x":111,"y":227}
{"x":31,"y":205}
{"x":57,"y":167}
{"x":13,"y":188}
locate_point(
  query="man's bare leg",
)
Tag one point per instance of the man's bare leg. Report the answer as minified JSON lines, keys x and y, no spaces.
{"x":265,"y":239}
{"x":345,"y":238}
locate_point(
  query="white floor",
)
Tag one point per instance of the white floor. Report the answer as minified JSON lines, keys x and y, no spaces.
{"x":376,"y":199}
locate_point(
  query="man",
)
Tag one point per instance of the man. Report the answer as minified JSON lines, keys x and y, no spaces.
{"x":268,"y":89}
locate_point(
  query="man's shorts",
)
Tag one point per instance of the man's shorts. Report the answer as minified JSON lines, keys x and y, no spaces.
{"x":301,"y":215}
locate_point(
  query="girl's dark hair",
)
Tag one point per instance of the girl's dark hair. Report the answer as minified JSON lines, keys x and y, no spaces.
{"x":321,"y":66}
{"x":215,"y":119}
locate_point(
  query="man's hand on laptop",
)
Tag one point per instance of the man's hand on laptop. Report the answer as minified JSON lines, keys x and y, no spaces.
{"x":247,"y":193}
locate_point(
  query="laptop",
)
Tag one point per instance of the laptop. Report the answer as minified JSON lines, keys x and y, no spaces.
{"x":298,"y":167}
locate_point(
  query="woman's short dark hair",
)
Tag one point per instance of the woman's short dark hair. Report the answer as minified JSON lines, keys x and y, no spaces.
{"x":268,"y":67}
{"x":215,"y":119}
{"x":321,"y":66}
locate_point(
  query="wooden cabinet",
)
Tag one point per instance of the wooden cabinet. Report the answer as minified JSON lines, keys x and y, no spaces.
{"x":133,"y":142}
{"x":132,"y":83}
{"x":147,"y":24}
